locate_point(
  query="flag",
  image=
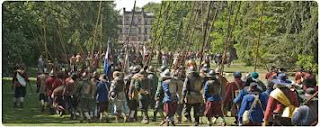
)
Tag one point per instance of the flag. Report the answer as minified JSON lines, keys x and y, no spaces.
{"x":106,"y":63}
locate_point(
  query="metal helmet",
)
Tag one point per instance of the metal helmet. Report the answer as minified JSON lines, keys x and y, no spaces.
{"x":163,"y":68}
{"x":150,"y":69}
{"x":143,"y":72}
{"x":237,"y":74}
{"x":136,"y":69}
{"x":165,"y":73}
{"x":211,"y":74}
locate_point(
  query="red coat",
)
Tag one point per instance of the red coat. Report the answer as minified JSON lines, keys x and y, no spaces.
{"x":57,"y":82}
{"x":48,"y":86}
{"x":230,"y":90}
{"x":275,"y":106}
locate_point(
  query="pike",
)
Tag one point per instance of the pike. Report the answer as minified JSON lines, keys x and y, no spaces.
{"x":127,"y":38}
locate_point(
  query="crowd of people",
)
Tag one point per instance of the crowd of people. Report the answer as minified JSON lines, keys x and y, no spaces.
{"x":87,"y":94}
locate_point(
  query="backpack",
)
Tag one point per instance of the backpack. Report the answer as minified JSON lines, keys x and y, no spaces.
{"x":246,"y":114}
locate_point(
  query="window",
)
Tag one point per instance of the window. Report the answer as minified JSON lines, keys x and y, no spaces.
{"x":139,"y":22}
{"x":139,"y":30}
{"x":139,"y":38}
{"x":146,"y":30}
{"x":127,"y":31}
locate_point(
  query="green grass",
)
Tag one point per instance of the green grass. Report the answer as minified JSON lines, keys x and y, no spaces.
{"x":30,"y":115}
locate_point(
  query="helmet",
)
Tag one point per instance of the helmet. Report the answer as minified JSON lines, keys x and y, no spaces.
{"x":143,"y":72}
{"x":237,"y":74}
{"x":136,"y":69}
{"x":150,"y":69}
{"x":211,"y":74}
{"x":165,"y":73}
{"x":162,"y":68}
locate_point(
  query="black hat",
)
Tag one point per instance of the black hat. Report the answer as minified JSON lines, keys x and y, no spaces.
{"x":255,"y":87}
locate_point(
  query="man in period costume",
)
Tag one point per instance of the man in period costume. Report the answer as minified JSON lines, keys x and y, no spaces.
{"x":177,"y":78}
{"x":133,"y":94}
{"x":19,"y":81}
{"x":306,"y":115}
{"x":254,"y":103}
{"x":41,"y":80}
{"x":117,"y":94}
{"x":232,"y":91}
{"x":83,"y":91}
{"x":170,"y":100}
{"x":191,"y":93}
{"x":153,"y":79}
{"x":102,"y":97}
{"x":213,"y":98}
{"x":271,"y":75}
{"x":158,"y":97}
{"x":281,"y":103}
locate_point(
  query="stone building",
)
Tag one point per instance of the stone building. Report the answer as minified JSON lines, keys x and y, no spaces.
{"x":140,"y":29}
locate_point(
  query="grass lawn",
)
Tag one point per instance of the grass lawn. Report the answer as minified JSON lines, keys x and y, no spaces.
{"x":30,"y":115}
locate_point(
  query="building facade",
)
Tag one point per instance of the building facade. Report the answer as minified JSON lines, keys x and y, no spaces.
{"x":140,"y":32}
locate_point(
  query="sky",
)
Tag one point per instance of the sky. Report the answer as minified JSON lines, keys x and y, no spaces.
{"x":128,"y":4}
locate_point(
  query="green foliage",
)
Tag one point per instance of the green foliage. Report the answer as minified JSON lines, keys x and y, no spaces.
{"x":55,"y":29}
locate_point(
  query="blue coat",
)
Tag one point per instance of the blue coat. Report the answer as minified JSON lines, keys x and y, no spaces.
{"x":239,"y":98}
{"x":208,"y":96}
{"x":102,"y":91}
{"x":168,"y":97}
{"x":256,"y":114}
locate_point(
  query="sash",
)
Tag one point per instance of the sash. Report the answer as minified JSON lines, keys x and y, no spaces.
{"x":21,"y":80}
{"x":282,"y":98}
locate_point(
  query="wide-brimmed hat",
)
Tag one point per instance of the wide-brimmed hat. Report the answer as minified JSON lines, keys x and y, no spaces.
{"x":282,"y":81}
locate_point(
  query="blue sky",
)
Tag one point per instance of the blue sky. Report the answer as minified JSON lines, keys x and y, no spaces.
{"x":128,"y":4}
